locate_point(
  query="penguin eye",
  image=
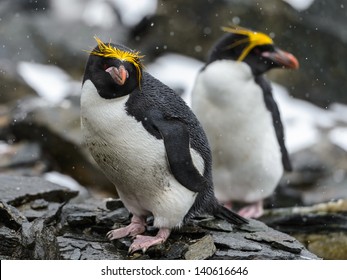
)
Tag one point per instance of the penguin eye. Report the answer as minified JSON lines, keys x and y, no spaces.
{"x":105,"y":66}
{"x":256,"y":51}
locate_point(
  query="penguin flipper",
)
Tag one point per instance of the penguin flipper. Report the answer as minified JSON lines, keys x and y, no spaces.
{"x":271,"y":105}
{"x":176,"y":140}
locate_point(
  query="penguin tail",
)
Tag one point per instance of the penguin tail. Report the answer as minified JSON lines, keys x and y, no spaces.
{"x":223,"y":213}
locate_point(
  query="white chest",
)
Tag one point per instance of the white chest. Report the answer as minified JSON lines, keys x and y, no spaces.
{"x":245,"y":149}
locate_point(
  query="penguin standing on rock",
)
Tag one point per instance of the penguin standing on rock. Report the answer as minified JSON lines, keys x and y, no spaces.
{"x":148,"y":143}
{"x":234,"y":103}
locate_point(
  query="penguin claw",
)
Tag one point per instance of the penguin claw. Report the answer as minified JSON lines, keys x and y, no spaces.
{"x":137,"y":226}
{"x":143,"y":242}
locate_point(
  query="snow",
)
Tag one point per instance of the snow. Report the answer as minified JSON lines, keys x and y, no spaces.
{"x":301,"y":120}
{"x":101,"y":12}
{"x":132,"y":12}
{"x":176,"y":71}
{"x":65,"y":181}
{"x":338,"y":136}
{"x":300,"y":5}
{"x":49,"y":81}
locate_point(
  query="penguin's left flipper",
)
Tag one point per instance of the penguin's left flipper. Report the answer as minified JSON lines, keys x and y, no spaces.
{"x":176,"y":140}
{"x":276,"y":119}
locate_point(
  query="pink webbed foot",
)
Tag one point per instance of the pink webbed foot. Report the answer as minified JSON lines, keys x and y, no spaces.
{"x":136,"y":226}
{"x":143,"y":242}
{"x":228,"y":205}
{"x":254,"y":210}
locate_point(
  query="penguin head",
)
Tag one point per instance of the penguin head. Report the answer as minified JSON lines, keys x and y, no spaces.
{"x":115,"y":70}
{"x":254,"y":48}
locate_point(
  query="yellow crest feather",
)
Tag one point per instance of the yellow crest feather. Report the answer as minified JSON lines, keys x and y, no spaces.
{"x":107,"y":50}
{"x":253,"y":39}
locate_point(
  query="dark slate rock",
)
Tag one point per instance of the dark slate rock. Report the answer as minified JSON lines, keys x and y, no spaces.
{"x":113,"y":204}
{"x":32,"y":214}
{"x":57,"y":129}
{"x":10,"y":243}
{"x":39,"y":241}
{"x":81,"y":220}
{"x":16,"y":190}
{"x":321,"y":228}
{"x":177,"y":250}
{"x":119,"y":215}
{"x":10,"y":216}
{"x":224,"y":240}
{"x":28,"y":153}
{"x":73,"y":247}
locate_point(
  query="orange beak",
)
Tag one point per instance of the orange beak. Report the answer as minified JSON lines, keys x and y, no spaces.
{"x":282,"y":58}
{"x":119,"y":75}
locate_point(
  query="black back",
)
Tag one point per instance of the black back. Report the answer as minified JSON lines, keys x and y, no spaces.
{"x":155,"y":95}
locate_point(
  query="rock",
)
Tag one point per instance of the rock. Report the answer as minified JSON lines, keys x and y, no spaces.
{"x":40,"y":223}
{"x":257,"y":241}
{"x":73,"y":248}
{"x":10,"y":216}
{"x":10,"y":244}
{"x":24,"y":159}
{"x":16,"y":190}
{"x":319,"y":175}
{"x":56,"y":128}
{"x":177,"y":250}
{"x":202,"y":249}
{"x":113,"y":204}
{"x":329,"y":246}
{"x":224,"y":241}
{"x":322,"y":227}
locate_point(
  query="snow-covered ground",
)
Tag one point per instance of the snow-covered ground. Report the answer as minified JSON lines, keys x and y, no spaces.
{"x":101,"y":12}
{"x":300,"y":5}
{"x":50,"y":82}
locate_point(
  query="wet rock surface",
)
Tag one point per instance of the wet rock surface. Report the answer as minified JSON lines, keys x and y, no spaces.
{"x":322,"y":228}
{"x":65,"y":229}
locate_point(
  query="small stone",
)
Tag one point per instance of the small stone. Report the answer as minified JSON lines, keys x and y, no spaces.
{"x":119,"y":215}
{"x":114,"y":204}
{"x":177,"y":250}
{"x":81,"y":219}
{"x":225,"y":240}
{"x":10,"y":216}
{"x":39,"y":204}
{"x":202,"y":249}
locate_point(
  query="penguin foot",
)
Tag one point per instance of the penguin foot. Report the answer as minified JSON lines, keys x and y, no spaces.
{"x":228,"y":205}
{"x":136,"y":226}
{"x":254,"y":210}
{"x":143,"y":242}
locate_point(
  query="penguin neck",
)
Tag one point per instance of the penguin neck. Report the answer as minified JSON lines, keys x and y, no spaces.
{"x":111,"y":93}
{"x":229,"y":70}
{"x":228,"y":82}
